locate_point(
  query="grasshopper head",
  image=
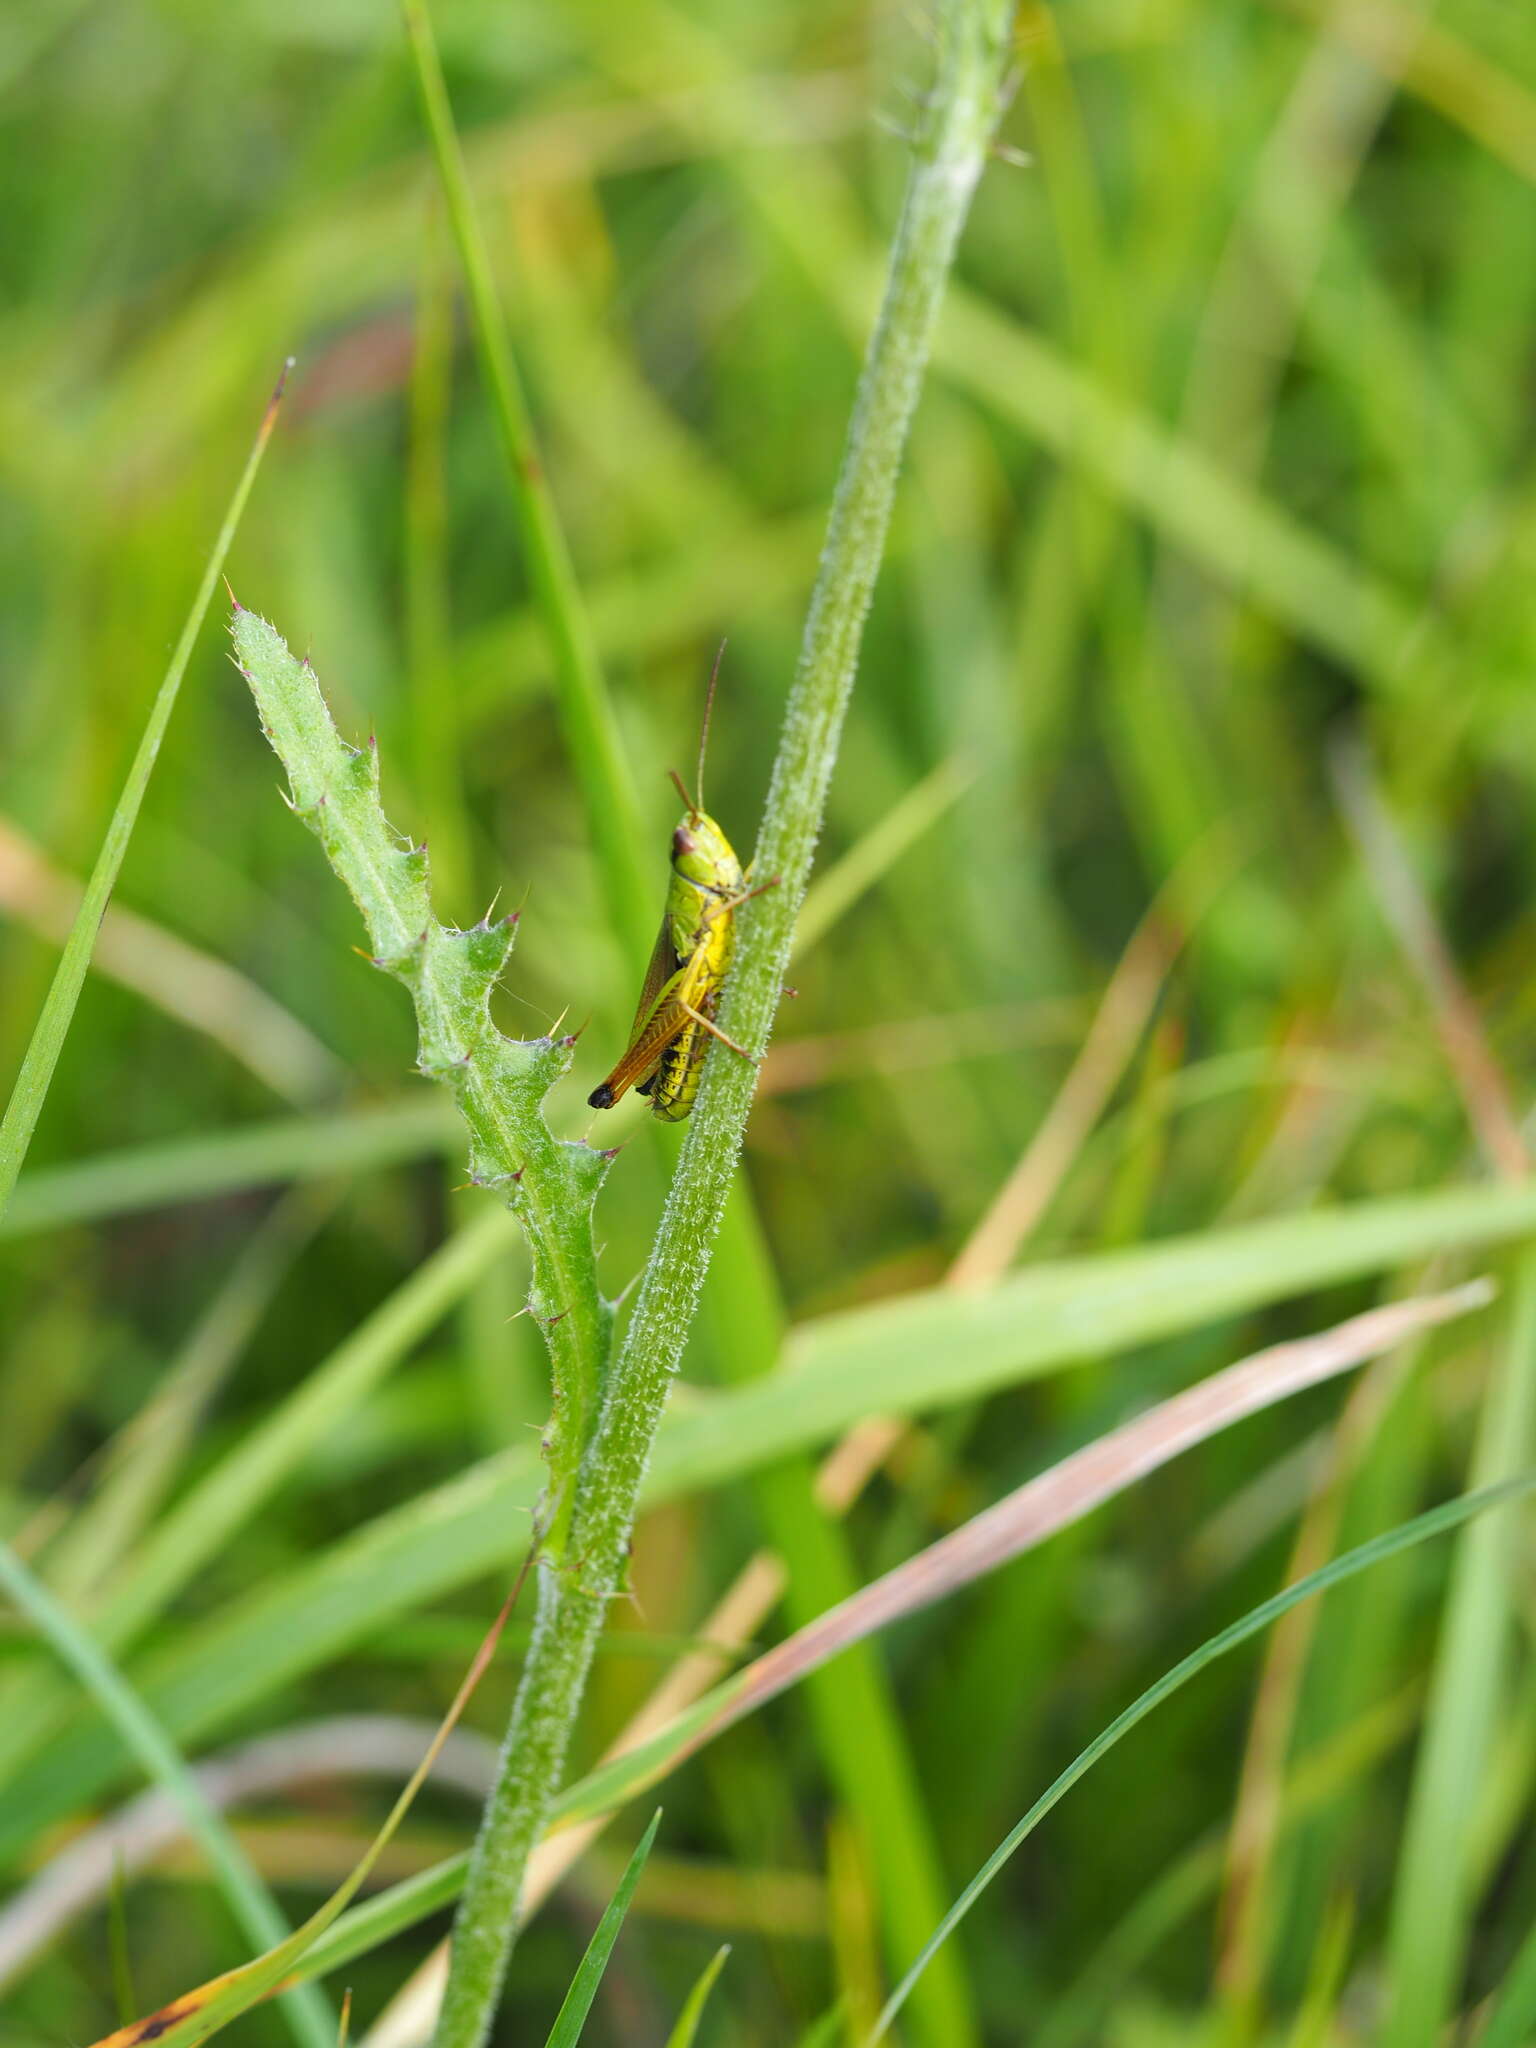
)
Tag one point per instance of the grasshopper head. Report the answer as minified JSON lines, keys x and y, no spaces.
{"x":703,"y":855}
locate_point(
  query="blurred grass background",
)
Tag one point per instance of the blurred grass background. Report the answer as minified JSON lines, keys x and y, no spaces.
{"x":1226,"y":458}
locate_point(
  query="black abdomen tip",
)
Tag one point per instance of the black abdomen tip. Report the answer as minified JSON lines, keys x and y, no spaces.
{"x":601,"y":1097}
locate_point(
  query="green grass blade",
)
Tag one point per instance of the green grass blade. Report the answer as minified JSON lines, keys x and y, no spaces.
{"x":1435,"y":1523}
{"x":607,"y":788}
{"x":227,"y":1162}
{"x":255,"y":1910}
{"x":227,"y":1496}
{"x":935,"y":1348}
{"x":243,"y":1480}
{"x":688,"y":2019}
{"x":830,"y":2031}
{"x":141,"y":1462}
{"x":47,"y":1041}
{"x":851,"y":1702}
{"x":1433,"y":1903}
{"x":572,"y":2016}
{"x":1514,"y":2014}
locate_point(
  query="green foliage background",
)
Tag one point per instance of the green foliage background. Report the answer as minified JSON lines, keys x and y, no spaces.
{"x":1226,"y":456}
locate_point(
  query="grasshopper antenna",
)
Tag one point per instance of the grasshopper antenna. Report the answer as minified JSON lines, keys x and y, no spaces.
{"x":696,"y":810}
{"x":709,"y":705}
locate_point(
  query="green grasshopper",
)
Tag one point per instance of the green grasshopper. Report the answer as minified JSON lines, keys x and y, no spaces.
{"x":675,"y":1019}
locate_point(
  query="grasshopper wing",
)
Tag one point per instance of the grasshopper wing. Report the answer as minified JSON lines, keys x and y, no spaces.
{"x":658,"y":1020}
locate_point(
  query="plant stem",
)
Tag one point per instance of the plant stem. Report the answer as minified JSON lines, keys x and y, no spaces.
{"x":973,"y":49}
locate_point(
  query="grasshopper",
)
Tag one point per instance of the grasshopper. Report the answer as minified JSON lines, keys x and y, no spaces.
{"x":675,"y":1018}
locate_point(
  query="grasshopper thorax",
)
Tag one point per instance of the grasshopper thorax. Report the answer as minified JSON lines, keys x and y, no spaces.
{"x":702,"y":854}
{"x":706,"y":882}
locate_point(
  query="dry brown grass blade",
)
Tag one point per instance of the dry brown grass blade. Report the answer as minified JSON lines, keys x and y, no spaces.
{"x":197,"y":2013}
{"x":1116,"y":1030}
{"x":1474,"y":1068}
{"x":1445,"y":71}
{"x":1079,"y":1483}
{"x":899,"y":1044}
{"x":1257,"y":1809}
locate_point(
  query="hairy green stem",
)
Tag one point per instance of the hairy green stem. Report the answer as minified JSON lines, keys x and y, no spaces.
{"x":973,"y":47}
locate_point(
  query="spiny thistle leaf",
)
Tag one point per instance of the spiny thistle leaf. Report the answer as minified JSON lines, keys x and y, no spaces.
{"x":499,"y":1083}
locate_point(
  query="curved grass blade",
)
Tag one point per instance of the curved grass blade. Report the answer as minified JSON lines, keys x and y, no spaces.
{"x":830,"y":2031}
{"x":255,"y":1910}
{"x":572,"y":2016}
{"x":688,"y":2019}
{"x":205,"y":2010}
{"x":1435,"y":1523}
{"x":47,"y":1041}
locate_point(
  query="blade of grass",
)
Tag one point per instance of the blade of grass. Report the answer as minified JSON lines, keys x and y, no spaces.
{"x":572,"y":2016}
{"x":226,"y":1497}
{"x":228,"y":1162}
{"x":1433,"y":1899}
{"x":140,"y":1462}
{"x":1435,"y":1523}
{"x":682,"y":2035}
{"x":1514,"y":2008}
{"x":255,"y":1911}
{"x":207,"y":2008}
{"x":932,"y":1349}
{"x":591,"y":734}
{"x":244,"y":1479}
{"x":47,"y":1041}
{"x":1185,"y":1886}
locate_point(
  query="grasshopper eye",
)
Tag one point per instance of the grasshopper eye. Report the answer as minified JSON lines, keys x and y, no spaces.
{"x":683,"y":842}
